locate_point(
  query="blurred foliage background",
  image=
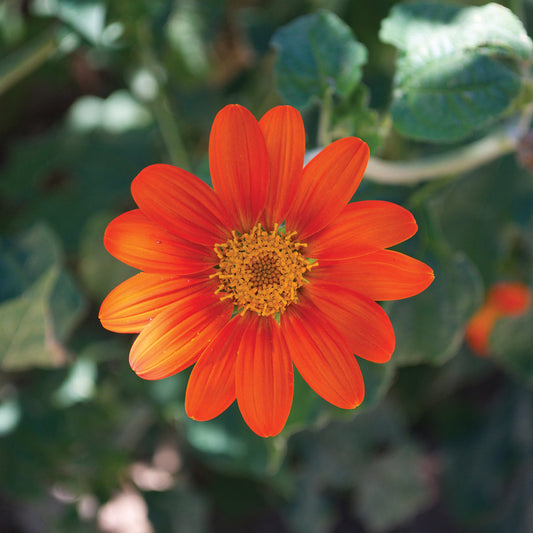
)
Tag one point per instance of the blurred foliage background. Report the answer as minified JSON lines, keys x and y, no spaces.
{"x":91,"y":91}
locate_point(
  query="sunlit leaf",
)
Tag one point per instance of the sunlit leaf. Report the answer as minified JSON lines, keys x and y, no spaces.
{"x":458,"y":70}
{"x":41,"y":303}
{"x":317,"y":54}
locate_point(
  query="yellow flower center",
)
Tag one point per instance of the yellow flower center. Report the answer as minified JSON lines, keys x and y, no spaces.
{"x":261,"y":270}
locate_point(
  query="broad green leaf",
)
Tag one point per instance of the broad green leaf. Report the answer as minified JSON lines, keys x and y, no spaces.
{"x":25,"y":258}
{"x":459,"y":69}
{"x":26,"y":335}
{"x":354,"y":118}
{"x":397,"y":477}
{"x":360,"y":459}
{"x":228,"y":444}
{"x":430,"y":326}
{"x":481,"y":214}
{"x":40,"y":303}
{"x":511,"y":346}
{"x":486,"y":481}
{"x":318,"y":55}
{"x":310,"y":410}
{"x":182,"y":509}
{"x":492,"y":26}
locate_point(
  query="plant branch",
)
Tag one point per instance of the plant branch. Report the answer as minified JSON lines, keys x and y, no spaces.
{"x":432,"y":167}
{"x":463,"y":159}
{"x":24,"y":61}
{"x":160,"y":106}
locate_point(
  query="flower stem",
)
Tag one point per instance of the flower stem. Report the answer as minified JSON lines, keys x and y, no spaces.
{"x":463,"y":159}
{"x":161,"y":108}
{"x":169,"y":131}
{"x":454,"y":162}
{"x":24,"y":61}
{"x":324,"y":119}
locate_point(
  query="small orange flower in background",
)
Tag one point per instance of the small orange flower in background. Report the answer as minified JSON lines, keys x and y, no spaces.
{"x":503,"y":299}
{"x":270,"y":268}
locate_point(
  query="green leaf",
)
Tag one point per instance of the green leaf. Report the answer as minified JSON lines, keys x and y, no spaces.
{"x":494,"y":447}
{"x":318,"y":55}
{"x":481,"y":213}
{"x":24,"y":259}
{"x":310,"y":410}
{"x":510,"y":346}
{"x":228,"y":444}
{"x":355,"y":118}
{"x":458,"y":70}
{"x":398,"y":478}
{"x":492,"y":26}
{"x":40,"y":304}
{"x":430,"y":326}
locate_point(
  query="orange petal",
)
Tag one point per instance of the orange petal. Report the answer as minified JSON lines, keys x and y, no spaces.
{"x":264,"y":377}
{"x":363,"y":324}
{"x":361,"y":228}
{"x":181,"y":203}
{"x":284,"y":134}
{"x":238,"y":161}
{"x":510,"y":298}
{"x":322,"y":357}
{"x":176,"y":337}
{"x":135,"y":302}
{"x":383,"y":275}
{"x":328,"y":182}
{"x":480,"y":327}
{"x":211,"y":388}
{"x":135,"y":240}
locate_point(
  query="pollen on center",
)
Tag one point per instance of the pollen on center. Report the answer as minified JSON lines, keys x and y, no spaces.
{"x":261,"y":270}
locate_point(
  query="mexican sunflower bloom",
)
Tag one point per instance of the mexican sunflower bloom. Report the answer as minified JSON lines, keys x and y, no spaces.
{"x":269,"y":269}
{"x":504,"y":299}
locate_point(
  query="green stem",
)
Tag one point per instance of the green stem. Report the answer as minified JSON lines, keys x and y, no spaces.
{"x":161,"y":107}
{"x":433,"y":167}
{"x":454,"y":162}
{"x":170,"y":131}
{"x":24,"y":61}
{"x":324,"y":119}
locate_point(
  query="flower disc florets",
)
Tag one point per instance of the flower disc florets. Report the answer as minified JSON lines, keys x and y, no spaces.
{"x":261,"y":270}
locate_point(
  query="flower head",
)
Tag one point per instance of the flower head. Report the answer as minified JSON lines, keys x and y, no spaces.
{"x":269,"y":269}
{"x":506,"y":298}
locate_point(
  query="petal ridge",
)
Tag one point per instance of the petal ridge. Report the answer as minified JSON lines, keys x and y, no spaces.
{"x":176,"y":337}
{"x":211,"y":387}
{"x":239,"y":165}
{"x":135,"y":302}
{"x":322,"y":357}
{"x":361,"y":228}
{"x":180,"y":202}
{"x":137,"y":241}
{"x":361,"y":322}
{"x":328,"y":182}
{"x":264,"y":377}
{"x":284,"y":134}
{"x":382,"y":276}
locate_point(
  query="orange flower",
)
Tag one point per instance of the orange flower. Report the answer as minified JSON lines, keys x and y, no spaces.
{"x":503,"y":299}
{"x":270,"y":268}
